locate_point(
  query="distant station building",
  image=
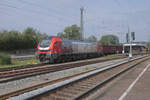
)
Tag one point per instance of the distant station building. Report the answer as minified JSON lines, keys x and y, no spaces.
{"x":137,"y":47}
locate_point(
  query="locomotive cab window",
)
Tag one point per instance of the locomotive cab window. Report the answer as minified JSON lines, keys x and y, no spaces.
{"x":55,"y":44}
{"x":45,"y":42}
{"x":59,"y":43}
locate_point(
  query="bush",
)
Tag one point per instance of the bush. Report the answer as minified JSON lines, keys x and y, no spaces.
{"x":4,"y":59}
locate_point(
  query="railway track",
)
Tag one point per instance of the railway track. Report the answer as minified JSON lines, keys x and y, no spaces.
{"x":38,"y":65}
{"x":77,"y":87}
{"x":15,"y":74}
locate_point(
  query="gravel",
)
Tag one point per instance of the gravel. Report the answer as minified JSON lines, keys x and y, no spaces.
{"x":34,"y":80}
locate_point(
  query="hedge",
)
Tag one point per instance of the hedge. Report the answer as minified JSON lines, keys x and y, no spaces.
{"x":5,"y":59}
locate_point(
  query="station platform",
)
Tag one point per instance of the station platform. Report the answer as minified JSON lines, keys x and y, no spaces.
{"x":133,"y":85}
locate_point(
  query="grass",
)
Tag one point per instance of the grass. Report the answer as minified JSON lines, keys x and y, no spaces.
{"x":111,"y":56}
{"x":16,"y":63}
{"x":4,"y":59}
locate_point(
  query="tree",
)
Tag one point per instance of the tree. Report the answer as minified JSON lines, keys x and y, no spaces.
{"x":31,"y":37}
{"x":148,"y":45}
{"x":9,"y":40}
{"x":29,"y":31}
{"x":72,"y":32}
{"x":92,"y":38}
{"x":15,"y":40}
{"x":109,"y":40}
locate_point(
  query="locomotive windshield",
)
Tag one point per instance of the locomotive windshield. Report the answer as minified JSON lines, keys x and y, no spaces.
{"x":45,"y":42}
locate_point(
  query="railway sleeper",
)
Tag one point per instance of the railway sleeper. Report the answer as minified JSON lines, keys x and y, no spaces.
{"x":86,"y":82}
{"x":86,"y":85}
{"x":66,"y":93}
{"x":79,"y":85}
{"x":90,"y":83}
{"x":48,"y":98}
{"x":93,"y":80}
{"x":78,"y":89}
{"x":54,"y":97}
{"x":82,"y":88}
{"x":61,"y":94}
{"x":70,"y":91}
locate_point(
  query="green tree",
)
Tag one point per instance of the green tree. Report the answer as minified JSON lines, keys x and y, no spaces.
{"x":72,"y":32}
{"x":15,"y":40}
{"x":92,"y":38}
{"x":148,"y":45}
{"x":30,"y":31}
{"x":31,"y":37}
{"x":109,"y":40}
{"x":9,"y":40}
{"x":3,"y":39}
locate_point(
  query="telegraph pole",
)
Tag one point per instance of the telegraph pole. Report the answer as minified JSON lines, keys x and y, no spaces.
{"x":130,"y":39}
{"x":81,"y":24}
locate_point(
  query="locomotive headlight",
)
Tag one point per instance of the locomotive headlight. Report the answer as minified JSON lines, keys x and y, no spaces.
{"x":45,"y":50}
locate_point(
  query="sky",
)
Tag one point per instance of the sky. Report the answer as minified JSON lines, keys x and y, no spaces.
{"x":101,"y":17}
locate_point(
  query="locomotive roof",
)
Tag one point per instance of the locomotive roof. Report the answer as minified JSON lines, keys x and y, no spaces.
{"x":47,"y":37}
{"x":73,"y":40}
{"x":69,"y":40}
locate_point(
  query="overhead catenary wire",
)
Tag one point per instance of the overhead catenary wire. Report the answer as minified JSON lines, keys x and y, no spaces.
{"x":47,"y":21}
{"x":3,"y":12}
{"x":42,"y":7}
{"x":56,"y":13}
{"x":37,"y":12}
{"x":143,"y":20}
{"x":131,"y":10}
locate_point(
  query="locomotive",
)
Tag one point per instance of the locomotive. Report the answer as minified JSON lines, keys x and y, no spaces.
{"x":52,"y":49}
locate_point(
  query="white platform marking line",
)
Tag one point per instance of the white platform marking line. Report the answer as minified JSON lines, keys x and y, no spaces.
{"x":131,"y":86}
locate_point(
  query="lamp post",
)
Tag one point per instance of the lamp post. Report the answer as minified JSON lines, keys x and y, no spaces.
{"x":120,"y":33}
{"x":130,"y":38}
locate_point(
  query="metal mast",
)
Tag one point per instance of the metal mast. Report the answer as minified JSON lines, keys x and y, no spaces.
{"x":81,"y":24}
{"x":130,"y":38}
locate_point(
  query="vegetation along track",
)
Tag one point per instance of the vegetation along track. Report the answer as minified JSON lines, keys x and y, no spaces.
{"x":38,"y":65}
{"x":80,"y":86}
{"x":6,"y":76}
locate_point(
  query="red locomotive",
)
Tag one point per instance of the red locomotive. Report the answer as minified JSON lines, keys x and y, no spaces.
{"x":51,"y":49}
